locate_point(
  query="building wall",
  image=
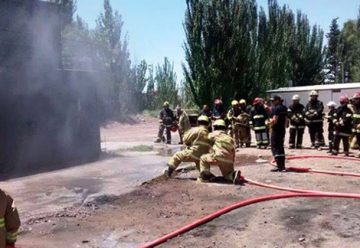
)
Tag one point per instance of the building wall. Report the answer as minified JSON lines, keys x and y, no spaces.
{"x":45,"y":118}
{"x":324,"y":95}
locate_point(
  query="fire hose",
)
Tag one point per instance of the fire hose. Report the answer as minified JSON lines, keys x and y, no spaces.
{"x":295,"y":193}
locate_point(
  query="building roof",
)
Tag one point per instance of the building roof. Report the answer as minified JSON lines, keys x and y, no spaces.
{"x":317,"y":87}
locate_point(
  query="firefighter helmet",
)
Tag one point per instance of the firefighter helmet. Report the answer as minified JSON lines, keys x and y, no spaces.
{"x":234,"y":103}
{"x":242,"y":101}
{"x":331,"y":104}
{"x":166,"y":104}
{"x":344,"y":100}
{"x":257,"y":100}
{"x":313,"y":93}
{"x":296,"y":98}
{"x":356,"y":96}
{"x":203,"y":118}
{"x":219,"y":123}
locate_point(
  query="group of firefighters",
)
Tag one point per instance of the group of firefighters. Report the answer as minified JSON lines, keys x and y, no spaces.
{"x":232,"y":129}
{"x":219,"y":132}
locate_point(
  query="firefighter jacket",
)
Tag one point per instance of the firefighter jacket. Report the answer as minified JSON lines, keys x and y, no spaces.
{"x":184,"y":122}
{"x":330,"y":118}
{"x":197,"y":139}
{"x":258,"y":118}
{"x":9,"y":220}
{"x":314,"y":112}
{"x":356,"y":119}
{"x":167,"y":117}
{"x":222,"y":145}
{"x":343,"y":121}
{"x":296,"y":116}
{"x":233,"y":115}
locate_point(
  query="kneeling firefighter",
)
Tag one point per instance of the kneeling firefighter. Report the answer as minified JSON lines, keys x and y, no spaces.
{"x":222,"y":155}
{"x":197,"y":141}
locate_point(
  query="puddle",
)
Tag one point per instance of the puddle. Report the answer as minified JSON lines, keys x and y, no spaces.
{"x":168,"y":151}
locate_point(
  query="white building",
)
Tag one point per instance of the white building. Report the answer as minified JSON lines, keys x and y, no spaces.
{"x":327,"y":92}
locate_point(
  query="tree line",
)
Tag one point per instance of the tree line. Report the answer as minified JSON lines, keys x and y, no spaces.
{"x":125,"y":87}
{"x":233,"y":49}
{"x":342,"y":63}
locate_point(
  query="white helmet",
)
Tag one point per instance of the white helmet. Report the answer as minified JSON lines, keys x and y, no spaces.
{"x":313,"y":93}
{"x":296,"y":98}
{"x":331,"y":104}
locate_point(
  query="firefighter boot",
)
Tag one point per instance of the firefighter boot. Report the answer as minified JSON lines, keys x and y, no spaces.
{"x":280,"y":165}
{"x":238,"y":179}
{"x":169,"y":171}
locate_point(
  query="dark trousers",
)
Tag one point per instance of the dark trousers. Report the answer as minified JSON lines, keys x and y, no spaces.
{"x":277,"y":147}
{"x":296,"y":133}
{"x":331,"y":139}
{"x":162,"y":128}
{"x":316,"y":134}
{"x":345,"y":139}
{"x":358,"y":139}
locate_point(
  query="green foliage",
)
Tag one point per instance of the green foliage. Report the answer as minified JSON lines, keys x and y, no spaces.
{"x":232,"y":50}
{"x":349,"y":50}
{"x":332,"y":58}
{"x":166,"y":89}
{"x":306,"y":52}
{"x":113,"y":54}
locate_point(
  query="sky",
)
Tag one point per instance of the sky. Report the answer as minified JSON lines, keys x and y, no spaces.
{"x":155,"y":27}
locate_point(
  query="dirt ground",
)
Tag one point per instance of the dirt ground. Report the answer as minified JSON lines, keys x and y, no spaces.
{"x":158,"y":207}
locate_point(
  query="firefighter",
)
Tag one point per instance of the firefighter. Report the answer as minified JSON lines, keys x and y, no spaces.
{"x":197,"y":142}
{"x":297,"y":123}
{"x":314,"y":120}
{"x":222,"y":155}
{"x":245,"y":130}
{"x":331,"y":126}
{"x":219,"y":112}
{"x":9,"y":221}
{"x":278,"y":125}
{"x":232,"y":116}
{"x":356,"y":119}
{"x":207,"y":112}
{"x":167,"y":119}
{"x":355,"y":107}
{"x":258,"y":121}
{"x":343,"y":126}
{"x":183,"y":123}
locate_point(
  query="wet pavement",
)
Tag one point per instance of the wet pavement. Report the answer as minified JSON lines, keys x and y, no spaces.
{"x":114,"y":175}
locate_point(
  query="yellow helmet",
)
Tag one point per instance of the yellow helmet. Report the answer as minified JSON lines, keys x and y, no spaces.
{"x":234,"y":103}
{"x":203,"y":118}
{"x":219,"y":123}
{"x":243,"y":101}
{"x":166,"y":104}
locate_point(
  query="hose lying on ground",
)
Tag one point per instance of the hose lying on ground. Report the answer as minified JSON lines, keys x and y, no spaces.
{"x":296,"y":193}
{"x":306,"y":170}
{"x":240,"y":204}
